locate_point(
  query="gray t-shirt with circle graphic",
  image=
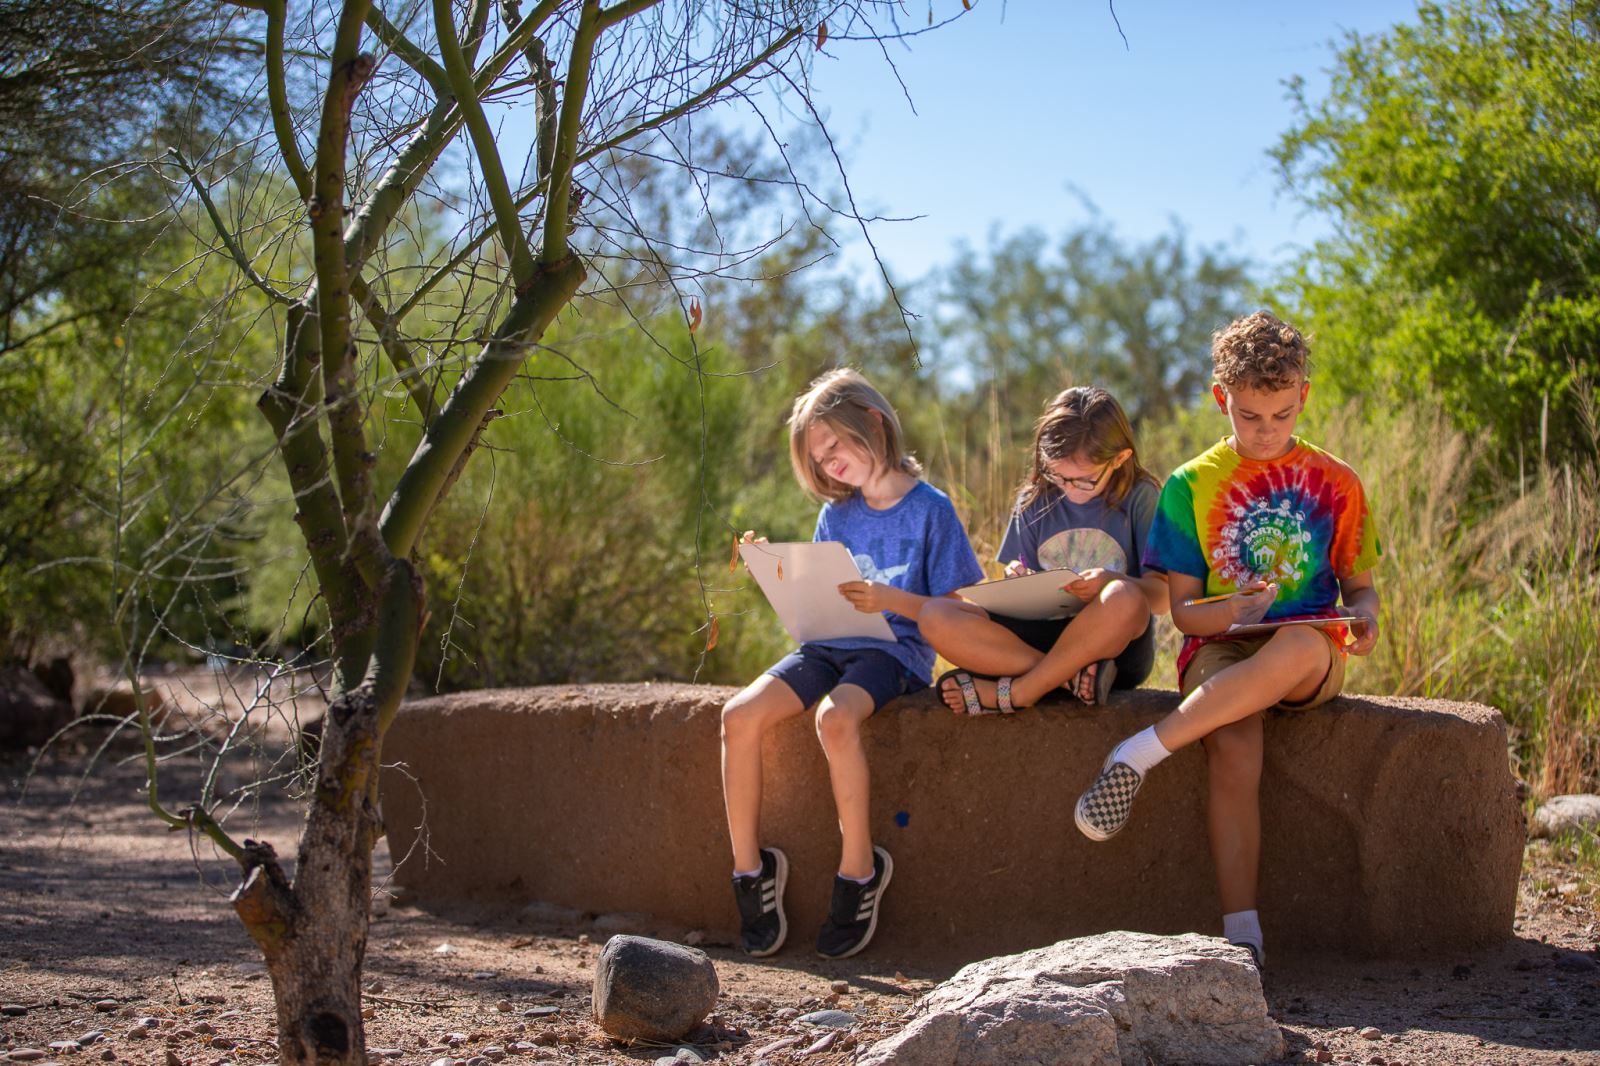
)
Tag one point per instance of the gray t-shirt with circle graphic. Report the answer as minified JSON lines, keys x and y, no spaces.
{"x":1053,"y":532}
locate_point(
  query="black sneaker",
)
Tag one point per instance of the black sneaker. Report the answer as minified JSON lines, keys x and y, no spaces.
{"x":762,"y":925}
{"x":853,"y":914}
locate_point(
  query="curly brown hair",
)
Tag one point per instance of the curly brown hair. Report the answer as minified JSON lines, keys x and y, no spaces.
{"x":1260,"y":352}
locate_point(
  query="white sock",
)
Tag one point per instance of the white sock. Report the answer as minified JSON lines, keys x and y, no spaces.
{"x":747,"y":873}
{"x":1244,"y":927}
{"x":1141,"y":751}
{"x":859,"y":880}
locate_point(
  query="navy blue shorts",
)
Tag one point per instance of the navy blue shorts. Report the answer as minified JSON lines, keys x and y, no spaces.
{"x":814,"y":671}
{"x":1133,"y":665}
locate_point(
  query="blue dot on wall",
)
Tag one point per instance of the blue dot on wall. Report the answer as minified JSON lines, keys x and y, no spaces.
{"x":902,"y":819}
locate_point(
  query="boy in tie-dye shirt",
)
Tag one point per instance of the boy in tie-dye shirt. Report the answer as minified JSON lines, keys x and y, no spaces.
{"x":1264,"y":526}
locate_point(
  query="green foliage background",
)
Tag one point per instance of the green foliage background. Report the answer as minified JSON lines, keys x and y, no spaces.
{"x":1455,"y":322}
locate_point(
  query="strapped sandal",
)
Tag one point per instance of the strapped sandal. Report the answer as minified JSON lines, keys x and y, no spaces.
{"x":971,"y":704}
{"x":1105,"y":675}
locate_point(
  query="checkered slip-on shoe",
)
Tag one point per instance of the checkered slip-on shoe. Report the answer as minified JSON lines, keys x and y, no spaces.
{"x":762,"y":925}
{"x":1103,"y":809}
{"x":853,"y":912}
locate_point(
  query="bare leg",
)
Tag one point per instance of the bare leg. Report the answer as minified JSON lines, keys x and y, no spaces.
{"x":745,"y":719}
{"x":1233,"y":813}
{"x":839,"y":719}
{"x":965,"y":635}
{"x":1290,"y":667}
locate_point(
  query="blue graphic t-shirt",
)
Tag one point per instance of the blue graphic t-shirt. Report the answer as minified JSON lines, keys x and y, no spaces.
{"x":917,"y":545}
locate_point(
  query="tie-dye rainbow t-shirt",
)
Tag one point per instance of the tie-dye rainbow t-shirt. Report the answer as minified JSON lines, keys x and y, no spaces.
{"x":1300,"y":520}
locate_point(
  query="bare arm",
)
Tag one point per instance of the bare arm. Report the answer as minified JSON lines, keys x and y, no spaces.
{"x":1360,"y":595}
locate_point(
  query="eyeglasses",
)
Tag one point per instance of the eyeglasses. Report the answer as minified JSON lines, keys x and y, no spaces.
{"x":1082,"y":484}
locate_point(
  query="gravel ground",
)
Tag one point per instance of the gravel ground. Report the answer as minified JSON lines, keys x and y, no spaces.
{"x":117,"y":937}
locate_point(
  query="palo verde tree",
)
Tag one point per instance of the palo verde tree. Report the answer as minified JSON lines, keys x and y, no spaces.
{"x":389,"y":123}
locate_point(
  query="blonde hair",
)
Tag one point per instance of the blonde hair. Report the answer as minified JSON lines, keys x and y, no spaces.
{"x":1260,"y":352}
{"x":846,"y":403}
{"x":1084,"y":421}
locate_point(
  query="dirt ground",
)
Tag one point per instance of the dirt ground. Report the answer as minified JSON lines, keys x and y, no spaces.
{"x":109,"y":925}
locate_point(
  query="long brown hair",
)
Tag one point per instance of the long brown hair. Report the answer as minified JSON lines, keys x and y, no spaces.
{"x":1084,"y":421}
{"x":855,"y":411}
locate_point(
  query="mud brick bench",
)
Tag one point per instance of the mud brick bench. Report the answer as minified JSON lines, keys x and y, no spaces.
{"x":1391,"y":826}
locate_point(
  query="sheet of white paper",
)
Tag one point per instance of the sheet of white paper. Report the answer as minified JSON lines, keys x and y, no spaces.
{"x":1261,"y":628}
{"x":1036,"y":596}
{"x":806,"y":595}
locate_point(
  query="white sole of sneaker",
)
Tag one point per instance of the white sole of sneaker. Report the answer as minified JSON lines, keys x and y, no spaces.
{"x":872,"y":923}
{"x":781,"y":877}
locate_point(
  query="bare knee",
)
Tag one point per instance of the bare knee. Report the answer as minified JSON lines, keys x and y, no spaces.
{"x":745,"y":715}
{"x":937,"y":619}
{"x":837,"y":725}
{"x":1126,"y":605}
{"x":1233,"y":754}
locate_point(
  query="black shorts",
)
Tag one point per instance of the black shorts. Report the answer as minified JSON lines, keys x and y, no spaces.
{"x":1133,"y":665}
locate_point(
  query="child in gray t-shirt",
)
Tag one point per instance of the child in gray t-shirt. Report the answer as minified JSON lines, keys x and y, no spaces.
{"x":1085,"y":506}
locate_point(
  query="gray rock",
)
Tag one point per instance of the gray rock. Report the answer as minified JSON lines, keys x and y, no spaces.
{"x":681,"y":1057}
{"x":1102,"y":1000}
{"x":651,"y":990}
{"x":25,"y":1054}
{"x":1561,"y":814}
{"x":831,"y":1019}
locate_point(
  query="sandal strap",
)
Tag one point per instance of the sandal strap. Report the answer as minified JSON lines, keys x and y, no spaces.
{"x":1002,"y":695}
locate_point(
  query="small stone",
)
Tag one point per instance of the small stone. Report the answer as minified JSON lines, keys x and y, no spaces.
{"x":541,"y":1012}
{"x":1576,"y":962}
{"x":583,"y":939}
{"x":1377,"y":1060}
{"x":205,"y":1028}
{"x":832,"y":1019}
{"x":138,"y":1033}
{"x":148,"y":1023}
{"x":840,"y":987}
{"x":369,"y":1013}
{"x":388,"y":1052}
{"x":477,"y":1060}
{"x":91,"y":1036}
{"x":108,"y":1055}
{"x":1324,"y":1055}
{"x":455,"y":1039}
{"x":1371,"y":1032}
{"x":494,"y":1052}
{"x":504,"y":1006}
{"x":822,"y":1044}
{"x":695,"y":938}
{"x":13,"y":1010}
{"x":184,"y":1034}
{"x":66,"y":1047}
{"x":537,"y":968}
{"x":222,"y":1043}
{"x":647,"y":989}
{"x":444,"y":949}
{"x":484,"y":975}
{"x":443,"y":1062}
{"x":544,"y":1039}
{"x":172,"y":1058}
{"x":106,"y":1006}
{"x":25,"y":1054}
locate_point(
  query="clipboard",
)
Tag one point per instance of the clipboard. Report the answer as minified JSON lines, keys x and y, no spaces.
{"x":1262,"y":628}
{"x":1035,"y":596}
{"x":801,"y":580}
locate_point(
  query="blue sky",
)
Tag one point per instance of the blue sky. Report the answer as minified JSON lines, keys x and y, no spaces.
{"x":1023,"y":98}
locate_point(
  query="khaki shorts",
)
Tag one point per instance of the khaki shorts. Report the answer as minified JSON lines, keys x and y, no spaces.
{"x":1212,"y":658}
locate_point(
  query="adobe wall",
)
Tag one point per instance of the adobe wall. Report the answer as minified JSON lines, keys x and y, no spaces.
{"x":1391,"y":826}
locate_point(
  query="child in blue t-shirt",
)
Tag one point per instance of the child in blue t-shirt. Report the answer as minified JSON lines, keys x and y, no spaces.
{"x":846,"y":446}
{"x":1085,"y":506}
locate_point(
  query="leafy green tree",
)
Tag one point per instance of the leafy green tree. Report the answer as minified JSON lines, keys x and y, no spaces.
{"x":1460,"y":158}
{"x":1039,"y":314}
